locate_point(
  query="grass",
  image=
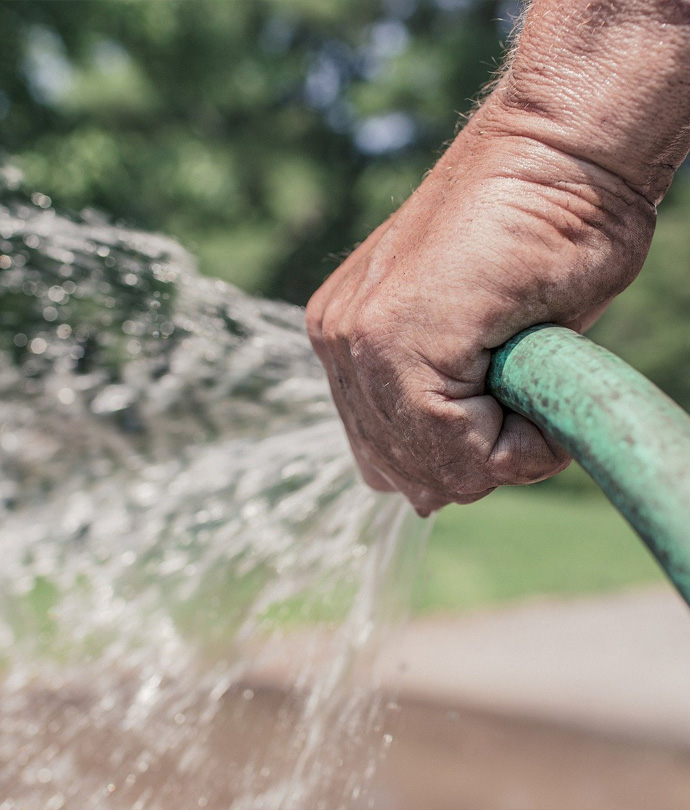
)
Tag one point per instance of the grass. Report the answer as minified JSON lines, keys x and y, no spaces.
{"x":519,"y":543}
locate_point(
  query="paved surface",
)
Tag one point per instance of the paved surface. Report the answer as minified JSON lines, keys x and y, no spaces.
{"x":618,"y":664}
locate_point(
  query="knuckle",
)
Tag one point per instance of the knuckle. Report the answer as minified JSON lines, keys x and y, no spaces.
{"x":366,"y":333}
{"x":369,"y":313}
{"x":515,"y":471}
{"x":314,"y":323}
{"x":473,"y":497}
{"x":562,"y":462}
{"x":376,"y":481}
{"x":426,"y":500}
{"x":504,"y":469}
{"x":508,"y":463}
{"x":373,"y":326}
{"x":338,"y":326}
{"x":446,"y":414}
{"x":463,"y":478}
{"x":331,"y":325}
{"x":520,"y":468}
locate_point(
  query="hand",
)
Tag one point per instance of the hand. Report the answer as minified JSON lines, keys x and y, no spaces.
{"x":503,"y":234}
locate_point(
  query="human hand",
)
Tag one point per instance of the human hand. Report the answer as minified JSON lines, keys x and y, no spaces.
{"x":505,"y":233}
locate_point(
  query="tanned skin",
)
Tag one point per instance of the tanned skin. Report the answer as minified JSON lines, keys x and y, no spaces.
{"x":541,"y":210}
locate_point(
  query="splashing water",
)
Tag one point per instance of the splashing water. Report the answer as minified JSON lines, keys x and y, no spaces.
{"x":193,"y":578}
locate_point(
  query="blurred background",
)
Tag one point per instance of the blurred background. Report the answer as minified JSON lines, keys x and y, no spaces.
{"x":269,"y":137}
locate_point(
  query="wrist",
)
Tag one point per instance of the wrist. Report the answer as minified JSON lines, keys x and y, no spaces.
{"x":607,"y":83}
{"x":580,"y":193}
{"x":576,"y":234}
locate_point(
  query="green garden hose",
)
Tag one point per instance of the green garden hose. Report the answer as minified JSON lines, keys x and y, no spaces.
{"x":630,"y":437}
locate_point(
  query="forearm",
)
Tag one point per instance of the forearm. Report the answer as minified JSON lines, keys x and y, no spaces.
{"x":607,"y":82}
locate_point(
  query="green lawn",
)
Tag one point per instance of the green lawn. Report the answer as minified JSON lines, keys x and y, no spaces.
{"x":528,"y":541}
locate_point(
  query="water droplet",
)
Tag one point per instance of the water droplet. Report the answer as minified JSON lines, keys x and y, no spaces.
{"x":41,"y":200}
{"x":38,"y":345}
{"x":9,"y":442}
{"x":113,"y":398}
{"x":57,"y":294}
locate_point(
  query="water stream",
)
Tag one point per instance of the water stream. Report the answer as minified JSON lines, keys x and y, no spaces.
{"x":194,"y":583}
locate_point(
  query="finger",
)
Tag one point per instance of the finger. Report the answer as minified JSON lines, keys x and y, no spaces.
{"x":424,"y":499}
{"x":424,"y":503}
{"x":485,"y":447}
{"x":588,"y":319}
{"x":523,"y":454}
{"x":372,"y":476}
{"x":361,"y":450}
{"x":319,"y":300}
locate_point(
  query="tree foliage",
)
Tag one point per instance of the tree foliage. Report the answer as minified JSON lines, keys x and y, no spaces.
{"x":265,"y":134}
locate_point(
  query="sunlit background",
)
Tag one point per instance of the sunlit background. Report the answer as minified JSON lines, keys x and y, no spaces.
{"x":268,"y":137}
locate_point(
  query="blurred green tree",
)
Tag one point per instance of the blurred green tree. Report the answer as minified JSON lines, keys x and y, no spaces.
{"x":264,"y":134}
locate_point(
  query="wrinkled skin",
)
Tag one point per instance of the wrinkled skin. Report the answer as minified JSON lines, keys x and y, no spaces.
{"x":504,"y":233}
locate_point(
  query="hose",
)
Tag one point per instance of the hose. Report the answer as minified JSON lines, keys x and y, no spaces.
{"x":627,"y":434}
